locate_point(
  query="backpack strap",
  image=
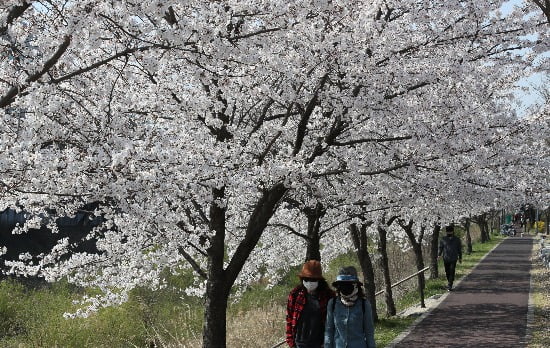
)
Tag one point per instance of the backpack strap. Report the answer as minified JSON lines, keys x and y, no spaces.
{"x":363,"y":307}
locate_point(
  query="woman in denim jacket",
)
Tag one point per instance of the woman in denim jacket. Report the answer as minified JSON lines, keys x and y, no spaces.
{"x":349,"y":316}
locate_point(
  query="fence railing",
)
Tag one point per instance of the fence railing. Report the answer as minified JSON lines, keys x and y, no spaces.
{"x":403,"y":280}
{"x":378,"y":293}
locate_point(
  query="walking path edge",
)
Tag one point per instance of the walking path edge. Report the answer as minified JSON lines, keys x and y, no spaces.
{"x":428,"y":310}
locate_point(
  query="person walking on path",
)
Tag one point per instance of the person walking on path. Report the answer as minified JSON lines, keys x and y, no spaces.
{"x":349,"y":315}
{"x":307,"y":308}
{"x":450,"y":248}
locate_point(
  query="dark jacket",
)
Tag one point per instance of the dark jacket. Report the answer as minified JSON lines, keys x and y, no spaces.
{"x":295,"y":306}
{"x":451,"y":248}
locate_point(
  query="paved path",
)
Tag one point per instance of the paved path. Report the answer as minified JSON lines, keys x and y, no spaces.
{"x":488,"y":308}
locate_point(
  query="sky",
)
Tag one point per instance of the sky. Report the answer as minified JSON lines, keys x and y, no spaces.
{"x":529,"y":97}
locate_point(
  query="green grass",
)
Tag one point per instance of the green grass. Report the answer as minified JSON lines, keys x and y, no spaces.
{"x":540,"y":277}
{"x":387,"y":329}
{"x":34,"y":318}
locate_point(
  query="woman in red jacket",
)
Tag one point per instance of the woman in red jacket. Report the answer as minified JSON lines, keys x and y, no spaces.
{"x":307,"y":308}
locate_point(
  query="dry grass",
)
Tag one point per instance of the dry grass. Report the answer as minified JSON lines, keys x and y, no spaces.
{"x":540,"y":327}
{"x":259,"y":327}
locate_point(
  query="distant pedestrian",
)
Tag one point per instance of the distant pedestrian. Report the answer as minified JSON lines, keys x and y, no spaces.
{"x":450,"y":248}
{"x":307,"y":308}
{"x":349,"y":315}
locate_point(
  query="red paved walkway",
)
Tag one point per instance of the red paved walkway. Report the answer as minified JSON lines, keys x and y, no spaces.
{"x":488,"y":308}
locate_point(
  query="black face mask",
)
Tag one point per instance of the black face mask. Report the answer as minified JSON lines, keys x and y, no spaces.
{"x":346,"y":288}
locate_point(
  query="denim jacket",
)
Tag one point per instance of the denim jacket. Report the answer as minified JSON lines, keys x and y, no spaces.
{"x":349,"y":327}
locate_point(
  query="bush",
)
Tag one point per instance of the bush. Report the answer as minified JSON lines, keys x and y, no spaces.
{"x":538,"y":226}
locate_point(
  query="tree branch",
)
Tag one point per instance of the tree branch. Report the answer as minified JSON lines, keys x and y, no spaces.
{"x":259,"y":32}
{"x":302,"y":126}
{"x":545,"y":7}
{"x":15,"y":12}
{"x":386,"y":170}
{"x":14,"y":91}
{"x":408,"y":89}
{"x":371,"y":140}
{"x":102,"y":62}
{"x":200,"y":211}
{"x":263,"y":211}
{"x":193,"y":263}
{"x":293,"y":231}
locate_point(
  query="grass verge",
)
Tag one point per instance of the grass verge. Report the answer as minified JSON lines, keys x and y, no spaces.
{"x":540,"y":278}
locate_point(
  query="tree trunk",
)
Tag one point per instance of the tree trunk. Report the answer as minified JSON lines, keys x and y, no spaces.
{"x":486,"y":228}
{"x":492,"y":221}
{"x":434,"y":246}
{"x":481,"y":221}
{"x":548,"y":221}
{"x":360,"y":241}
{"x":384,"y":264}
{"x":467,"y":224}
{"x":216,"y":293}
{"x":220,"y":280}
{"x":421,"y":280}
{"x":313,"y":249}
{"x":417,"y":249}
{"x":214,"y":330}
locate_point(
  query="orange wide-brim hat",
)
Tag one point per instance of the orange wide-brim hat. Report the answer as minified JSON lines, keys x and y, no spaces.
{"x":311,"y":269}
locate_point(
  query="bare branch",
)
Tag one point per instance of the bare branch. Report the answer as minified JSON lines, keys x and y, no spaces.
{"x":10,"y":188}
{"x":334,"y":226}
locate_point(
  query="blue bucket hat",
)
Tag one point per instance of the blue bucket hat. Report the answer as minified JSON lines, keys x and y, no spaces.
{"x":348,"y":275}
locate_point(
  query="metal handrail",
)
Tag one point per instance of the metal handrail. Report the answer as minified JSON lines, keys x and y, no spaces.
{"x":403,"y":280}
{"x":376,"y":294}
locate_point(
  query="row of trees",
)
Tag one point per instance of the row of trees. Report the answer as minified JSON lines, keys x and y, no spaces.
{"x":225,"y":135}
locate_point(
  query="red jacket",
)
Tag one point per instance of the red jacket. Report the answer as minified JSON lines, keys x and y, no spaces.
{"x":295,"y":306}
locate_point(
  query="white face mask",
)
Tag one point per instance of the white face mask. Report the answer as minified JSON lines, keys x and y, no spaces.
{"x":310,"y":286}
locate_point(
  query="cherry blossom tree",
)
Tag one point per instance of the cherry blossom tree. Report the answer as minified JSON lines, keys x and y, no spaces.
{"x":188,"y":124}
